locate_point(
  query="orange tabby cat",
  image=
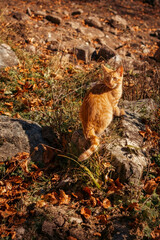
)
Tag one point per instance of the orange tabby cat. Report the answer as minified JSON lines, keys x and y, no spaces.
{"x":99,"y":106}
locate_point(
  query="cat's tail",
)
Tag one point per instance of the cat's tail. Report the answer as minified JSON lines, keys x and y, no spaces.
{"x":94,"y":146}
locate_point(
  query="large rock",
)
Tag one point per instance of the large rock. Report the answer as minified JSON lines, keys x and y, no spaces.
{"x":17,"y":135}
{"x":125,"y":145}
{"x":7,"y":57}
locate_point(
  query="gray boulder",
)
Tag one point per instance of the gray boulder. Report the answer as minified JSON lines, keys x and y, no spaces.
{"x":125,"y":144}
{"x":7,"y":57}
{"x":17,"y":135}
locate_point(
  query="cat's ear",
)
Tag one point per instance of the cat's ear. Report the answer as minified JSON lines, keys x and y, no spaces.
{"x":105,"y":69}
{"x":120,"y":71}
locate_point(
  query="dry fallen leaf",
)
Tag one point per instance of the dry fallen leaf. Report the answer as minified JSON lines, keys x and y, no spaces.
{"x":93,"y":201}
{"x":106,"y":203}
{"x":102,"y":219}
{"x":64,"y":198}
{"x":86,"y":212}
{"x":132,"y":206}
{"x":88,"y":191}
{"x":51,"y":197}
{"x":97,"y":234}
{"x":155,"y":234}
{"x":150,"y":186}
{"x":71,"y":238}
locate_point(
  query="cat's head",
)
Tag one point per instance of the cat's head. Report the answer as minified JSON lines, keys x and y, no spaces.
{"x":113,"y":78}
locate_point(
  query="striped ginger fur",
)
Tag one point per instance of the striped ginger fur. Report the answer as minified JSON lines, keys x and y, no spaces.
{"x":99,"y":106}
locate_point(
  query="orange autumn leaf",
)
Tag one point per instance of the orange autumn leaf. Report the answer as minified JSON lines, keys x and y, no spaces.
{"x":150,"y":186}
{"x":71,"y":238}
{"x":24,"y":166}
{"x":17,"y":115}
{"x":155,"y":234}
{"x":2,"y":200}
{"x":157,"y":179}
{"x":88,"y":191}
{"x":7,"y":213}
{"x":106,"y":203}
{"x":97,"y":234}
{"x":93,"y":201}
{"x":142,"y":133}
{"x":85,"y":212}
{"x":102,"y":219}
{"x":118,"y":184}
{"x":16,"y":179}
{"x":51,"y":197}
{"x":55,"y":177}
{"x":78,"y":195}
{"x":64,"y":198}
{"x":132,"y":206}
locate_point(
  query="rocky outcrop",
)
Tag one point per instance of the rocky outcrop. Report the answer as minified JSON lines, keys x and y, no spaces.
{"x":7,"y":57}
{"x":125,"y":145}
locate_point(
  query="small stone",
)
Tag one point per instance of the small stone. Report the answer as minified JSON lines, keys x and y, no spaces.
{"x":59,"y":221}
{"x":91,"y":33}
{"x":115,"y":61}
{"x":40,"y":13}
{"x":54,"y":19}
{"x":20,"y":16}
{"x":7,"y":57}
{"x":77,"y":12}
{"x":30,"y":48}
{"x":20,"y":230}
{"x":53,"y":46}
{"x":118,"y":22}
{"x":47,"y":227}
{"x":77,"y":233}
{"x":74,"y":25}
{"x":93,"y":22}
{"x":76,"y":220}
